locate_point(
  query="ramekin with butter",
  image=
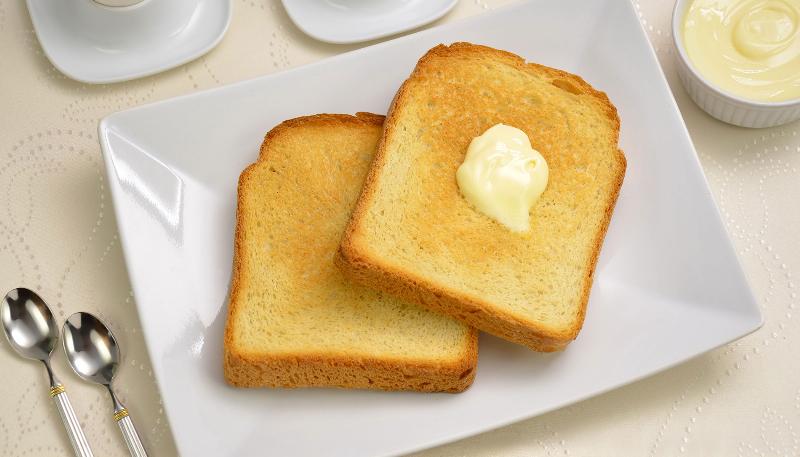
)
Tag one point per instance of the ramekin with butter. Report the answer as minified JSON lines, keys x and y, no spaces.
{"x":740,"y":59}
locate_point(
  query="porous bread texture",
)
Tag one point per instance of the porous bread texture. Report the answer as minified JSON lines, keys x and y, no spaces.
{"x":414,"y":235}
{"x":294,"y":320}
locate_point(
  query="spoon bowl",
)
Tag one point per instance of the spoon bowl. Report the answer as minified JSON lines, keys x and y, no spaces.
{"x":91,"y":348}
{"x":28,"y":324}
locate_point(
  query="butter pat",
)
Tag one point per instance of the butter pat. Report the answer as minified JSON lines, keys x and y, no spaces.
{"x":502,"y":176}
{"x":749,"y":48}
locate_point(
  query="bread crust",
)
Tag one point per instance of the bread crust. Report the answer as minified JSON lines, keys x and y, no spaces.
{"x":358,"y":262}
{"x":243,"y":369}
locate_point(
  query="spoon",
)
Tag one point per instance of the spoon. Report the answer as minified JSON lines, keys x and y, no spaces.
{"x":93,"y":354}
{"x":31,"y":330}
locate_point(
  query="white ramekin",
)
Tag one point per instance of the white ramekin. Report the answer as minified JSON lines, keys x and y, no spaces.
{"x":723,"y":105}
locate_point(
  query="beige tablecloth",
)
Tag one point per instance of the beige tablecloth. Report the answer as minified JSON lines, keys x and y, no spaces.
{"x":58,"y":235}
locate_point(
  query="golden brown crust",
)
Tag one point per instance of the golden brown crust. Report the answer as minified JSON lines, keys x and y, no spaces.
{"x":470,"y":310}
{"x":359,"y":263}
{"x":317,"y":120}
{"x":325,"y":370}
{"x":601,"y":234}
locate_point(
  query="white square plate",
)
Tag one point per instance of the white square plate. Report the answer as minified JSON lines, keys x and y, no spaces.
{"x":668,"y":285}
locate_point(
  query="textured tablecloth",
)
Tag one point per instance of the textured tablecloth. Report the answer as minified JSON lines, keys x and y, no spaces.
{"x":58,"y":235}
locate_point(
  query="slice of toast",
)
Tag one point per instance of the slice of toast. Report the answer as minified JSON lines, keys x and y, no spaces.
{"x":414,"y":235}
{"x":294,"y":320}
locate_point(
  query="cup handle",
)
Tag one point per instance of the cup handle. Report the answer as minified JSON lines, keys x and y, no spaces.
{"x":129,"y":432}
{"x":74,"y":430}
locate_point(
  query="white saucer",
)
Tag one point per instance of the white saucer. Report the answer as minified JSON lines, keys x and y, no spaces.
{"x":98,"y":44}
{"x":352,"y":21}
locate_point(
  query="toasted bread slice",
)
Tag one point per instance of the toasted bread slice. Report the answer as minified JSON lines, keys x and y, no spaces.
{"x":294,"y":320}
{"x":413,"y":234}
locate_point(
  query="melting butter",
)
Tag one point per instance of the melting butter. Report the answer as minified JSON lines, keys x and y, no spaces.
{"x":502,"y":176}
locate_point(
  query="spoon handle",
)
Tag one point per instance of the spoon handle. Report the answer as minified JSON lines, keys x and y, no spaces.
{"x":74,"y":430}
{"x":129,"y":433}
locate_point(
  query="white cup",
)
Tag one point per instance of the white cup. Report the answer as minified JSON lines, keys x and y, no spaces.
{"x":123,"y":27}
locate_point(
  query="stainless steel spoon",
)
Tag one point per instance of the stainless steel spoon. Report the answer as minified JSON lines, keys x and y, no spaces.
{"x":31,"y":330}
{"x":93,"y":353}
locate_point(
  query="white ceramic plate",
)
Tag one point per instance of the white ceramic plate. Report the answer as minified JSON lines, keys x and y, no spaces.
{"x":98,"y":44}
{"x":353,"y":21}
{"x":668,"y":285}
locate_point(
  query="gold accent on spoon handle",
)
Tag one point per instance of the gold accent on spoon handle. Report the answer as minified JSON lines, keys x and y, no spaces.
{"x":55,"y":390}
{"x":120,"y":414}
